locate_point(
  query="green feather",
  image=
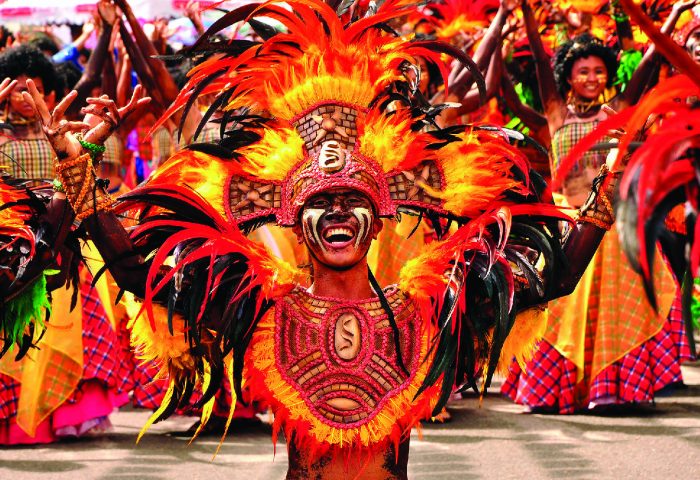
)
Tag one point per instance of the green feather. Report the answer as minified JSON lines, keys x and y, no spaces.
{"x":695,"y":307}
{"x":30,"y":306}
{"x":629,"y":61}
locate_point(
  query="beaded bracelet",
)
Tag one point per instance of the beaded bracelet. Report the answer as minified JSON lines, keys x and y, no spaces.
{"x":93,"y":149}
{"x":103,"y":204}
{"x":58,"y":186}
{"x":77,"y":178}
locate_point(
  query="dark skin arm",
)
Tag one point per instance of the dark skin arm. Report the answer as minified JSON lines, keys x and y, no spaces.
{"x":579,"y":246}
{"x":640,"y":79}
{"x":534,"y":120}
{"x":166,"y":85}
{"x":104,"y":228}
{"x":464,"y":79}
{"x":554,"y":105}
{"x":472,"y":100}
{"x":143,"y":71}
{"x":192,"y":10}
{"x":97,"y":62}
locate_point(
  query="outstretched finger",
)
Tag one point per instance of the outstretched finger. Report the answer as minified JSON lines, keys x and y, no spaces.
{"x":72,"y":127}
{"x":6,"y":87}
{"x":107,"y":103}
{"x":28,"y":98}
{"x":39,"y":104}
{"x":133,"y":101}
{"x":140,"y":103}
{"x":63,"y":105}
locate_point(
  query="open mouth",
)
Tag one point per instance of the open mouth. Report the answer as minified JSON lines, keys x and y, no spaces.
{"x":338,"y":237}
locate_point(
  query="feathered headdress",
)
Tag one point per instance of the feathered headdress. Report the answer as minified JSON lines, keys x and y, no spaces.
{"x":325,"y":90}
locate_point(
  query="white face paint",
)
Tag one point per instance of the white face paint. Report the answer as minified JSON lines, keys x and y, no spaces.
{"x":309,"y":223}
{"x":364,"y":219}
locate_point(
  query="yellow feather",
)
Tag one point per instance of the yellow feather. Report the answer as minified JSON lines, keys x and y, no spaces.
{"x":274,"y":155}
{"x":208,"y":407}
{"x":387,"y":139}
{"x":529,"y":327}
{"x":476,"y":173}
{"x":157,"y":413}
{"x":234,"y":399}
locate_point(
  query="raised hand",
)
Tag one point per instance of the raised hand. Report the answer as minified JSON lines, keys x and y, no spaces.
{"x":680,"y":7}
{"x":108,"y":12}
{"x":59,"y":131}
{"x":62,"y":134}
{"x":109,"y":115}
{"x":6,"y":87}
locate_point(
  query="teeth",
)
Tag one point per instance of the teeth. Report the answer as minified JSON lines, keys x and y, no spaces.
{"x":338,"y":231}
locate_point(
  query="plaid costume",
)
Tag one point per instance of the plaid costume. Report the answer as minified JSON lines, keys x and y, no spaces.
{"x":550,"y":378}
{"x":566,"y":137}
{"x":114,"y":150}
{"x":604,"y":342}
{"x":578,"y":180}
{"x":27,"y":158}
{"x":678,"y":333}
{"x":102,"y":360}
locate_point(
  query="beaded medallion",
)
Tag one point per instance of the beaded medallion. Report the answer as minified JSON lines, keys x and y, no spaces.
{"x":330,"y":369}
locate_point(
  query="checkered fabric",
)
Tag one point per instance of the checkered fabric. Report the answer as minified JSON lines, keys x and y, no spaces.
{"x":103,"y":358}
{"x":9,"y":397}
{"x":678,"y":332}
{"x":564,"y":139}
{"x":608,"y":314}
{"x":114,"y":150}
{"x":148,"y":391}
{"x":162,"y":145}
{"x":30,"y":158}
{"x":550,"y":379}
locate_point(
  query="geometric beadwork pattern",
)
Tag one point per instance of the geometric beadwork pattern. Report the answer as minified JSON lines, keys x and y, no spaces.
{"x":328,"y":122}
{"x":247,"y":196}
{"x":407,"y":185}
{"x":340,"y":356}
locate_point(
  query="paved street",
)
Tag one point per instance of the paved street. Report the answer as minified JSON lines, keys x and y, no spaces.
{"x":495,"y":441}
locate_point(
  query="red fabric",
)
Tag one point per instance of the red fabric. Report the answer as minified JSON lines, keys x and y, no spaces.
{"x":103,"y":355}
{"x":550,"y":379}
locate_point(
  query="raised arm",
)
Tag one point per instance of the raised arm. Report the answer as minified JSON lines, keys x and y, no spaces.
{"x":578,"y":246}
{"x":472,"y":100}
{"x":166,"y":84}
{"x":554,"y":105}
{"x":88,"y":199}
{"x":534,"y":120}
{"x":96,"y":64}
{"x":639,"y":81}
{"x":490,"y":43}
